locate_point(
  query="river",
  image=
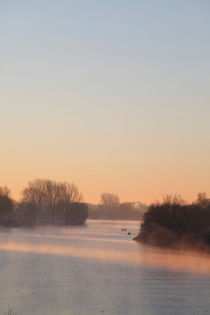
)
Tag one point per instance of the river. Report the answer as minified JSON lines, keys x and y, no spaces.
{"x":98,"y":269}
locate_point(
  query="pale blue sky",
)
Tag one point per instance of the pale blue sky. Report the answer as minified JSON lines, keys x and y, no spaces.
{"x":113,"y":95}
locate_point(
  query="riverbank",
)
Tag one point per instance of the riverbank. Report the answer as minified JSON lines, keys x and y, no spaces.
{"x":174,"y":225}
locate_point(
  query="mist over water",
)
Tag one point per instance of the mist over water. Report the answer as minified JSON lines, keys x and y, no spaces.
{"x":98,"y":268}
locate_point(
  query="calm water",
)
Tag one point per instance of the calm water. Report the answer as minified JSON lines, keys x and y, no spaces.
{"x":98,"y":269}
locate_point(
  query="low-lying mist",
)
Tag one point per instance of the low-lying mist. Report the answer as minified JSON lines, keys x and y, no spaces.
{"x":121,"y":251}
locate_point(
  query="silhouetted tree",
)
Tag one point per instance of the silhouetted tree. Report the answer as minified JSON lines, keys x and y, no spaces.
{"x":76,"y":213}
{"x":202,"y":200}
{"x":47,"y":192}
{"x":122,"y":211}
{"x":172,"y":200}
{"x":110,"y":200}
{"x":6,"y":206}
{"x":172,"y":222}
{"x":26,"y":214}
{"x":52,"y":200}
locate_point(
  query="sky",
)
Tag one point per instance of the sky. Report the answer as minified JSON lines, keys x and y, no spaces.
{"x":112,"y":95}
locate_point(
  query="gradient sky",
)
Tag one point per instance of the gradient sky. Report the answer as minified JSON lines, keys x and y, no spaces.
{"x":113,"y":95}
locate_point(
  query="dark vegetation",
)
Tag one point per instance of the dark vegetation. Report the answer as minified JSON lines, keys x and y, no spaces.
{"x":175,"y":224}
{"x":50,"y":202}
{"x":6,"y":207}
{"x":43,"y":202}
{"x":110,"y":208}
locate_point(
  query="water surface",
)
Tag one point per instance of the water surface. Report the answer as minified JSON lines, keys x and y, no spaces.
{"x":98,"y":269}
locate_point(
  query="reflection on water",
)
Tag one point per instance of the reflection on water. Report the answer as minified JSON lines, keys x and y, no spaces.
{"x":98,"y":269}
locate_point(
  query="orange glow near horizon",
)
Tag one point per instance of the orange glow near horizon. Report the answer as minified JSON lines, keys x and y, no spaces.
{"x":126,"y":187}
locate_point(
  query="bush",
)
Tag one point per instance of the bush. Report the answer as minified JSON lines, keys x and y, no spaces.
{"x":172,"y":223}
{"x":76,"y":213}
{"x":6,"y":207}
{"x":27,"y":214}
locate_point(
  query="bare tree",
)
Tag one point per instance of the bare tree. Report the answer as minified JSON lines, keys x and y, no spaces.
{"x":44,"y":192}
{"x":110,"y":200}
{"x":202,"y":200}
{"x":4,"y":191}
{"x":173,"y":199}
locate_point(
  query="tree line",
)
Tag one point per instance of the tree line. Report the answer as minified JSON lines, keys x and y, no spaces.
{"x":43,"y":202}
{"x":173,"y":223}
{"x":111,"y":208}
